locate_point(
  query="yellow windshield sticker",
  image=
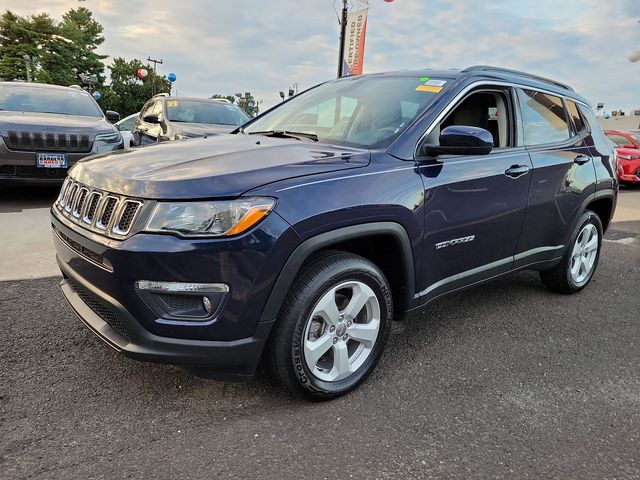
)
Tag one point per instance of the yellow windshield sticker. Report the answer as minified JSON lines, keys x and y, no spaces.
{"x":172,"y":103}
{"x":428,"y":88}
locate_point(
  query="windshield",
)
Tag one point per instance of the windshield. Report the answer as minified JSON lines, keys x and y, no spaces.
{"x":367,"y":112}
{"x":205,"y":111}
{"x":36,"y":99}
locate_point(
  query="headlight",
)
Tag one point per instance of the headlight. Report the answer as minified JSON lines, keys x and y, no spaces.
{"x":216,"y":219}
{"x":629,"y":157}
{"x":114,"y":137}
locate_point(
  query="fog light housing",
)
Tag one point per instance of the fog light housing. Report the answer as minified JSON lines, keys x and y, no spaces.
{"x":182,"y":303}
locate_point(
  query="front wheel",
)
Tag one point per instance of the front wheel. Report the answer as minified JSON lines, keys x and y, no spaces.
{"x":332,"y":327}
{"x":579,"y":263}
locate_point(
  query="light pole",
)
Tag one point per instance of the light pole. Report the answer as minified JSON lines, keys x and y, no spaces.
{"x":27,"y":63}
{"x":153,"y":80}
{"x":343,"y":33}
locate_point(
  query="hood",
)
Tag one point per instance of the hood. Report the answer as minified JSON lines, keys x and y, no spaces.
{"x":217,"y":166}
{"x":43,"y":122}
{"x":202,"y":129}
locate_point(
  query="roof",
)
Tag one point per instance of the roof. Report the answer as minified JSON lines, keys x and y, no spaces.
{"x":37,"y":85}
{"x":494,"y":73}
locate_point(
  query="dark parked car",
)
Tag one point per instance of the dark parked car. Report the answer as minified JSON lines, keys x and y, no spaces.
{"x":300,"y":237}
{"x":45,"y":129}
{"x":164,"y":119}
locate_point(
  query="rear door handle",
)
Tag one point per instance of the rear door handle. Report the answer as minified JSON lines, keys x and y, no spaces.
{"x":515,"y":171}
{"x":581,"y":159}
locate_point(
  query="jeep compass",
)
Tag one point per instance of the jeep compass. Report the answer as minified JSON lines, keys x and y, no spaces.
{"x":45,"y":129}
{"x":297,"y":240}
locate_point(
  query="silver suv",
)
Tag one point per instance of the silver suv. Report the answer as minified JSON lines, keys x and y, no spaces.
{"x":45,"y":129}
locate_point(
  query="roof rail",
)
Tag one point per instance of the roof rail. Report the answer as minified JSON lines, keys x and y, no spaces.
{"x":488,"y":68}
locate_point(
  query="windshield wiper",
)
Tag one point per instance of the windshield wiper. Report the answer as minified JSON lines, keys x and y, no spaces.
{"x":287,"y":134}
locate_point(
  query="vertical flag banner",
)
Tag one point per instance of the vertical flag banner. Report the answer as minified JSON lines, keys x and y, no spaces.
{"x":354,"y":42}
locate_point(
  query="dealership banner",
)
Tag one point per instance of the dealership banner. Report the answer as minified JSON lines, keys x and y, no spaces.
{"x":354,"y":42}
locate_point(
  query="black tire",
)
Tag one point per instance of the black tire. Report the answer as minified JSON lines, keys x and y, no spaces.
{"x":284,"y":353}
{"x":559,"y":278}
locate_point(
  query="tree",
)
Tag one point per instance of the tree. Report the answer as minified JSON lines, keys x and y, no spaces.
{"x":245,"y":101}
{"x":71,"y":51}
{"x":22,"y":37}
{"x":127,"y":93}
{"x":56,"y":52}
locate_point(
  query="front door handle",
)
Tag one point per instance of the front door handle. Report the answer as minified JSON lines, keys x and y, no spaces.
{"x":581,"y":159}
{"x":515,"y":171}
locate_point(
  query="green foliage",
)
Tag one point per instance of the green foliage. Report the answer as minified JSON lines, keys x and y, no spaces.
{"x":244,"y":101}
{"x":58,"y":52}
{"x":128,"y":93}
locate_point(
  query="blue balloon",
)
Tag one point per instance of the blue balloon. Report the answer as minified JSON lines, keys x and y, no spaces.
{"x":97,"y":95}
{"x":171,"y":77}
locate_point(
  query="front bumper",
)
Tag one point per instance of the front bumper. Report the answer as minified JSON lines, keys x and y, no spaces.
{"x":20,"y":166}
{"x":106,"y":299}
{"x":110,"y":321}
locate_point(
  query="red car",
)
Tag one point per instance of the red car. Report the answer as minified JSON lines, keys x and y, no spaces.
{"x":628,"y":151}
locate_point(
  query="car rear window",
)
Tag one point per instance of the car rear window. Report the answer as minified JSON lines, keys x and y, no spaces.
{"x":618,"y":139}
{"x":208,"y":112}
{"x":544,"y":118}
{"x":38,"y":99}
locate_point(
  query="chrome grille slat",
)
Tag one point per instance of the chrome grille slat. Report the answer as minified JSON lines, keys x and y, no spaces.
{"x":96,"y":210}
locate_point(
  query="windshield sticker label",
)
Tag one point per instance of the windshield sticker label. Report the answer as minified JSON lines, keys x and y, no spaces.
{"x":424,"y":79}
{"x":436,"y":83}
{"x":428,"y":88}
{"x":172,"y":103}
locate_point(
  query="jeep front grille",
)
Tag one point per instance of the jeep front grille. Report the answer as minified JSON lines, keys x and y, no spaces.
{"x":102,"y":212}
{"x":48,"y":141}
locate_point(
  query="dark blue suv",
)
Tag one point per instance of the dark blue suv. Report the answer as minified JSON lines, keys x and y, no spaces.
{"x":297,"y":239}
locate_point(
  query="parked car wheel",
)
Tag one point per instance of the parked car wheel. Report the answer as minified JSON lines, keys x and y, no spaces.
{"x":332,"y":327}
{"x":580,"y":261}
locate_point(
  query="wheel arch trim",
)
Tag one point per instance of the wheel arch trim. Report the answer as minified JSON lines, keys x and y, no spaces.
{"x":324,"y":240}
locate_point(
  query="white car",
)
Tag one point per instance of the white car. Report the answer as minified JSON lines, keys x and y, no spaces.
{"x":125,"y":125}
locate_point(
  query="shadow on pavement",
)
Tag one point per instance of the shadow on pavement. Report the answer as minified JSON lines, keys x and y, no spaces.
{"x":15,"y":198}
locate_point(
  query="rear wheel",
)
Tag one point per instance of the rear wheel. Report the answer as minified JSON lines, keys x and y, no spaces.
{"x":579,"y":263}
{"x":332,"y":328}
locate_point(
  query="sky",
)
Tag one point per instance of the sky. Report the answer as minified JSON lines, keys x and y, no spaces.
{"x":230,"y":46}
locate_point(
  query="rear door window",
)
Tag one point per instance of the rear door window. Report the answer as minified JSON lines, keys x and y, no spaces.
{"x":544,"y":118}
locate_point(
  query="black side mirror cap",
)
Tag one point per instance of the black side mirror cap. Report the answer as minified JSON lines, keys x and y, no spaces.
{"x":461,"y":140}
{"x":151,"y":118}
{"x":112,"y":116}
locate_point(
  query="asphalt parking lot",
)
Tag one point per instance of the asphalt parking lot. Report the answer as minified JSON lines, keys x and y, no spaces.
{"x":504,"y":381}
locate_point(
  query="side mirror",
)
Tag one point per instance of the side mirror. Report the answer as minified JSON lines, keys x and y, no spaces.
{"x":112,"y":116}
{"x":628,"y":145}
{"x":462,"y":140}
{"x":151,"y":118}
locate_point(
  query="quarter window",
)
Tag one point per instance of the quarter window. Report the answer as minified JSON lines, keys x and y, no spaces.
{"x":544,"y":118}
{"x":578,"y":123}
